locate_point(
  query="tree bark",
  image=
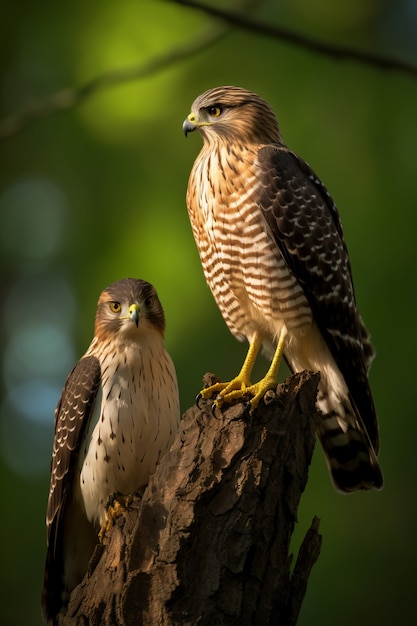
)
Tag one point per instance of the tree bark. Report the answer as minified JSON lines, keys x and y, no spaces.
{"x":209,"y":541}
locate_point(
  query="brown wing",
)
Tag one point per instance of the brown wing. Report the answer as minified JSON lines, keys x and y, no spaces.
{"x":71,"y":416}
{"x":303,"y":221}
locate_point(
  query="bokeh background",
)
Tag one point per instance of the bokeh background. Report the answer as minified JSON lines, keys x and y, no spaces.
{"x":97,"y":193}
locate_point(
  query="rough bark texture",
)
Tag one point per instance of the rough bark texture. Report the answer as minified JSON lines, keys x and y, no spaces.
{"x":208,"y":543}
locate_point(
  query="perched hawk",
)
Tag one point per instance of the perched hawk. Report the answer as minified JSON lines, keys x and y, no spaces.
{"x":272,"y":249}
{"x":117,"y":416}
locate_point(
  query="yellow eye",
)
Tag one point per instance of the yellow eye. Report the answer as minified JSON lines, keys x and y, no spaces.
{"x":215,"y":110}
{"x":115,"y":307}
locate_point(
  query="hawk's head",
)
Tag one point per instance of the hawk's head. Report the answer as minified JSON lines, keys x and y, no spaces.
{"x":234,"y":114}
{"x":129,"y":306}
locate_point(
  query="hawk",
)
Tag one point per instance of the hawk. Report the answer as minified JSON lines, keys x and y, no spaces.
{"x":117,"y":416}
{"x":273,"y":253}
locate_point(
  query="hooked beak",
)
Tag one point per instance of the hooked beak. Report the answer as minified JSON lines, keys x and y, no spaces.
{"x":189,"y":124}
{"x":134,"y":314}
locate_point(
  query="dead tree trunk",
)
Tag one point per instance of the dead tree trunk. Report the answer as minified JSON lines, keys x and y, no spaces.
{"x":208,"y":543}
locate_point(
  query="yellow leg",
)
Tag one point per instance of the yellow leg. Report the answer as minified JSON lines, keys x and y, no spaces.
{"x":240,"y":386}
{"x":270,"y":380}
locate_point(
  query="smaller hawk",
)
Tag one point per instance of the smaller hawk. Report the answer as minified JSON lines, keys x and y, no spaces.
{"x":117,"y":416}
{"x":273,"y":253}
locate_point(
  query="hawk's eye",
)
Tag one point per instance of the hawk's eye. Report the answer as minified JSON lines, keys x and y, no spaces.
{"x":149,"y":302}
{"x":115,"y":307}
{"x":215,"y":110}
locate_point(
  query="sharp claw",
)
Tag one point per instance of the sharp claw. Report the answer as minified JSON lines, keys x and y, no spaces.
{"x":198,"y":399}
{"x":215,"y":405}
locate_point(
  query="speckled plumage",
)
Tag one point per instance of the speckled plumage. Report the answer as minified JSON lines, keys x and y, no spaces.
{"x":117,"y":416}
{"x":273,"y":253}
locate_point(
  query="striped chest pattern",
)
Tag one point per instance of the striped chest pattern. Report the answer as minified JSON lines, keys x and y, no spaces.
{"x":242,"y":264}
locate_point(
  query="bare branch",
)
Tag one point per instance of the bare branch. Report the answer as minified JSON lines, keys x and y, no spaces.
{"x":340,"y":52}
{"x":71,"y":97}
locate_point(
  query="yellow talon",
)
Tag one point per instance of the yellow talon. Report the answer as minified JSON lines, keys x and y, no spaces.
{"x":219,"y":391}
{"x":116,"y":506}
{"x":241,"y":385}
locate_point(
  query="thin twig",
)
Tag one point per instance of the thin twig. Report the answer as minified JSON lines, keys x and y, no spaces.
{"x":71,"y":97}
{"x":346,"y":52}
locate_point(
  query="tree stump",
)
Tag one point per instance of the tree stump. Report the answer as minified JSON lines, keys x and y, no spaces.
{"x":208,"y":543}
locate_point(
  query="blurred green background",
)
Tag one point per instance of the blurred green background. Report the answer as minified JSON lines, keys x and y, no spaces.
{"x":98,"y":193}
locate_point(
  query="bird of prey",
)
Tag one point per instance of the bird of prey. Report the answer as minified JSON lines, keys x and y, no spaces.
{"x":273,"y":253}
{"x":117,"y":416}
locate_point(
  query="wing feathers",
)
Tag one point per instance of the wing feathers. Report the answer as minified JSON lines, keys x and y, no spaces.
{"x":71,"y":414}
{"x":303,"y":220}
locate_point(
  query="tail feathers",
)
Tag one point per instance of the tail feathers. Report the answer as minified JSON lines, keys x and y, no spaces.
{"x":52,"y":591}
{"x":349,"y":452}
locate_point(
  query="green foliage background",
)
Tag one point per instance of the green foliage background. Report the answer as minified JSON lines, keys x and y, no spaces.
{"x":98,"y":193}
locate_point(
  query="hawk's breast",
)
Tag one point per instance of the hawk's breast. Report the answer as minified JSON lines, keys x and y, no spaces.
{"x":133,"y":425}
{"x":250,"y":280}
